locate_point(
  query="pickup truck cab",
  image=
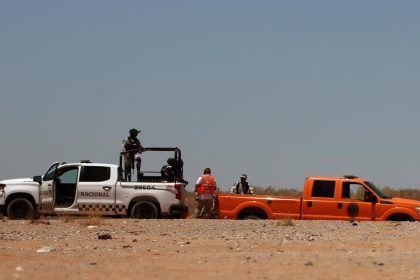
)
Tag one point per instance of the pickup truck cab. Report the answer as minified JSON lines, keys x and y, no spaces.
{"x":323,"y":198}
{"x":87,"y":188}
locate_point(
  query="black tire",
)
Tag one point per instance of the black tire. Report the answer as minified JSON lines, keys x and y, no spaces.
{"x":144,"y":210}
{"x":20,"y":209}
{"x":400,"y":217}
{"x":252,"y":217}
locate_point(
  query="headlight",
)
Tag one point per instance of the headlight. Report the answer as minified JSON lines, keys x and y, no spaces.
{"x":418,"y":208}
{"x":2,"y":186}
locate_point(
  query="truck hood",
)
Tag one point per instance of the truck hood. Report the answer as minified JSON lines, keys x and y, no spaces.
{"x":18,"y":181}
{"x":403,"y":201}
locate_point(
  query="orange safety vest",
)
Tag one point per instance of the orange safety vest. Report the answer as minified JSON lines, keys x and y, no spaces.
{"x":207,"y":185}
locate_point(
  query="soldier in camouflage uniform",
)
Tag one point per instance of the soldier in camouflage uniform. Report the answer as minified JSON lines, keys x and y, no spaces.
{"x":242,"y":186}
{"x":133,"y":147}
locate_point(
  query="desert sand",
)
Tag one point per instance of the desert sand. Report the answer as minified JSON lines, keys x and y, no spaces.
{"x":70,"y":248}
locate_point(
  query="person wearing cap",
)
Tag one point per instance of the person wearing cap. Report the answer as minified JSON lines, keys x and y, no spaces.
{"x":242,"y":186}
{"x":132,"y":149}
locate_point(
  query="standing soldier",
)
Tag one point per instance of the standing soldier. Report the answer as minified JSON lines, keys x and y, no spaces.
{"x":133,"y":148}
{"x":242,"y":186}
{"x":205,"y":194}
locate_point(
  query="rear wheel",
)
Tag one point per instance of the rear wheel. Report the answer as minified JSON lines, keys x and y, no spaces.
{"x":252,"y":213}
{"x":252,"y":217}
{"x":20,"y":209}
{"x":144,"y":210}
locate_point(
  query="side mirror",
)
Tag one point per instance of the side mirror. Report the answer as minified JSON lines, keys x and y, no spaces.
{"x":37,"y":179}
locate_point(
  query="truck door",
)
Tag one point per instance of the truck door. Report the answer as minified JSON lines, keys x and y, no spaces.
{"x":96,"y":190}
{"x":46,"y":190}
{"x":320,"y":201}
{"x":65,"y":187}
{"x":352,"y":204}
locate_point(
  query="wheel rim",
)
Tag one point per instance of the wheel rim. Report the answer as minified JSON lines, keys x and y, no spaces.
{"x":20,"y":210}
{"x":146,"y":212}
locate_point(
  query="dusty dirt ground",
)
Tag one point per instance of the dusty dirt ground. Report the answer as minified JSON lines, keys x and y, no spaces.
{"x":208,"y":249}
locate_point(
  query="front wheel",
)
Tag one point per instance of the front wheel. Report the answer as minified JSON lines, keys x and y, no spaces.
{"x":144,"y":210}
{"x":20,"y":209}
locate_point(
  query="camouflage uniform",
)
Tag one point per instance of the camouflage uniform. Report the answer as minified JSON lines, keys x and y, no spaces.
{"x":132,"y":144}
{"x":242,"y":186}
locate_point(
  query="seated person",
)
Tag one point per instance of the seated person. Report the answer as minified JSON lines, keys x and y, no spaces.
{"x":167,"y":173}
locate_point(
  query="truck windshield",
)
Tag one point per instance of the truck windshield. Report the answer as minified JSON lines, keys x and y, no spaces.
{"x":51,"y":172}
{"x":377,"y":190}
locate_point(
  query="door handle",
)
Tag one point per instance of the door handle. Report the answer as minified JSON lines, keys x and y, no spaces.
{"x":340,"y":205}
{"x":107,"y":188}
{"x":309,"y":204}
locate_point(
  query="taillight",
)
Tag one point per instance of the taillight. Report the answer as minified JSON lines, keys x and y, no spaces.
{"x":178,"y":189}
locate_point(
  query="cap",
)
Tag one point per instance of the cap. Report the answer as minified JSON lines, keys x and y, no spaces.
{"x":134,"y":130}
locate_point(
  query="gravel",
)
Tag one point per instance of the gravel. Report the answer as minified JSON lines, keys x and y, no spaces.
{"x":208,"y":249}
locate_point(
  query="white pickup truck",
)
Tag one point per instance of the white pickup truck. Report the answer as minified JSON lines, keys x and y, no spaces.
{"x":97,"y":189}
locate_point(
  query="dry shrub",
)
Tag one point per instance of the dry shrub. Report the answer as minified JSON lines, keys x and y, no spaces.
{"x":39,"y":222}
{"x":392,"y":223}
{"x":94,"y":219}
{"x":189,"y":201}
{"x":66,"y":218}
{"x":270,"y":190}
{"x":403,"y":193}
{"x":288,"y":222}
{"x":393,"y":192}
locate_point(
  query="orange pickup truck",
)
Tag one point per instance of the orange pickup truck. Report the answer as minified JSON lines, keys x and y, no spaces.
{"x":323,"y":198}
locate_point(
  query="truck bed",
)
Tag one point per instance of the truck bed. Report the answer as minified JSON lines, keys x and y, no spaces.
{"x":237,"y":206}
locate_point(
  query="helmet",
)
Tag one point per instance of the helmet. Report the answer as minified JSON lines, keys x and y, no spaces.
{"x":134,"y":132}
{"x":243,"y":176}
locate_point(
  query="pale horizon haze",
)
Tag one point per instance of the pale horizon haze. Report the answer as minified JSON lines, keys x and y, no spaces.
{"x":280,"y":90}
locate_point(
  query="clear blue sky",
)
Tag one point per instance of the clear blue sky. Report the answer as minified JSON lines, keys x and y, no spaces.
{"x":278,"y":89}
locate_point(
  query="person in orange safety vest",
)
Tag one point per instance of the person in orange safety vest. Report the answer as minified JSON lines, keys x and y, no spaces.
{"x":205,"y":194}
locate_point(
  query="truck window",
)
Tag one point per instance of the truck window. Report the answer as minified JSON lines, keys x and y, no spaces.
{"x":323,"y":188}
{"x":353,"y":191}
{"x":95,"y":174}
{"x":68,"y":176}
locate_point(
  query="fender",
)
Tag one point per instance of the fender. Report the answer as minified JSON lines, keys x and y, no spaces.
{"x":28,"y":189}
{"x":399,"y":210}
{"x":252,"y":203}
